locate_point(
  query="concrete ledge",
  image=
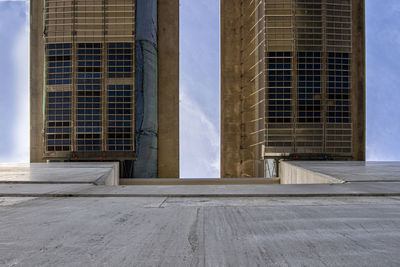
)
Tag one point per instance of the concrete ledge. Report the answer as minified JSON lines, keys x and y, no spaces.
{"x":293,"y":174}
{"x":98,"y":173}
{"x":205,"y":191}
{"x":111,"y":178}
{"x":306,"y":172}
{"x":240,"y":181}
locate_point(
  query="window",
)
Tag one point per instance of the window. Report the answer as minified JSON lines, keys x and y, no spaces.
{"x":120,"y":117}
{"x":58,"y":121}
{"x":59,"y":64}
{"x":120,"y":60}
{"x":89,"y":98}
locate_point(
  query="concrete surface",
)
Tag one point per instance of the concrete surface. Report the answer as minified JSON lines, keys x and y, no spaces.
{"x":200,"y":181}
{"x":231,"y":83}
{"x":216,"y":191}
{"x":358,"y":73}
{"x":36,"y":81}
{"x":200,"y":232}
{"x":301,"y":172}
{"x":84,"y":224}
{"x":61,"y":173}
{"x":168,"y":89}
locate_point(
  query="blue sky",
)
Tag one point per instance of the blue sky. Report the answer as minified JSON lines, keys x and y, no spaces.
{"x":199,"y":92}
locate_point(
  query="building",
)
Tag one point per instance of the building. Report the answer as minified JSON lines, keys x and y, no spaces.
{"x":105,"y":83}
{"x":293,"y":83}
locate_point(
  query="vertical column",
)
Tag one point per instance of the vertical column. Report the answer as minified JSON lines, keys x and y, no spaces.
{"x":230,"y":88}
{"x":168,"y":88}
{"x":358,"y":79}
{"x":252,"y":89}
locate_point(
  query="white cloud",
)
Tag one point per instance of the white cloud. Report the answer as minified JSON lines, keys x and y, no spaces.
{"x":199,"y":141}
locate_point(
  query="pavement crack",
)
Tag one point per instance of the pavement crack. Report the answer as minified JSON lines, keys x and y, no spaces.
{"x":193,"y":238}
{"x":162,"y":203}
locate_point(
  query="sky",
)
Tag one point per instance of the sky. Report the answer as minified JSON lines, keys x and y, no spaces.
{"x":200,"y":84}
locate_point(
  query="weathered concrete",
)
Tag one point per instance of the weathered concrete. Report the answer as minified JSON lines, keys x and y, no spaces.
{"x":230,"y":89}
{"x":36,"y":81}
{"x":306,"y":172}
{"x":200,"y":232}
{"x":215,"y":191}
{"x":226,"y":181}
{"x":168,"y":88}
{"x":293,"y":174}
{"x":359,"y":81}
{"x":61,"y":173}
{"x":75,"y":224}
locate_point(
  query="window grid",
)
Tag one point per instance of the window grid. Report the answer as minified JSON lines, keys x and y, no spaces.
{"x":59,"y":64}
{"x":338,"y":114}
{"x":77,"y":34}
{"x":120,"y":60}
{"x":309,"y":87}
{"x":279,"y":87}
{"x":89,"y":97}
{"x":58,"y":121}
{"x":309,"y":25}
{"x":279,"y":99}
{"x":120,"y":118}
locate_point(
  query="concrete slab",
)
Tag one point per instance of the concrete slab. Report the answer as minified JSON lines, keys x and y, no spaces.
{"x":56,"y":220}
{"x":315,"y":190}
{"x":60,"y":173}
{"x":348,"y":171}
{"x":42,"y":190}
{"x":204,"y":181}
{"x":159,"y":232}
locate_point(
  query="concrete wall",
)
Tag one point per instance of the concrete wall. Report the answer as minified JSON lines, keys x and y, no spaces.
{"x":292,"y":174}
{"x":230,"y":89}
{"x":242,"y":99}
{"x":36,"y":82}
{"x":168,"y":88}
{"x":359,"y":81}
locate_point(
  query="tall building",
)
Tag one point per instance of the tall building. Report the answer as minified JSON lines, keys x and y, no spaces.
{"x":293,"y":83}
{"x":105,"y":84}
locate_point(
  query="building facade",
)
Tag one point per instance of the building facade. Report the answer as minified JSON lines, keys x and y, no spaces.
{"x":105,"y":83}
{"x":293,"y":83}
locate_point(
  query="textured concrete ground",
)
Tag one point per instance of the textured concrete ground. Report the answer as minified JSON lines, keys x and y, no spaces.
{"x":200,"y":232}
{"x":75,"y":224}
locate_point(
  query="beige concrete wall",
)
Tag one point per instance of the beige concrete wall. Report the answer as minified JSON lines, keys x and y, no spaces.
{"x":291,"y":174}
{"x":242,"y":101}
{"x":168,"y":88}
{"x":230,"y":89}
{"x":36,"y":81}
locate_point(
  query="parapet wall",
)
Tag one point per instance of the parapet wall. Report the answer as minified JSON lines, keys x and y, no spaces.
{"x":292,"y":174}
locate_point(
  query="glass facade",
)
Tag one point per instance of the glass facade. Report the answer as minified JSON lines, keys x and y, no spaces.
{"x":89,"y":76}
{"x":88,"y":89}
{"x":308,"y":66}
